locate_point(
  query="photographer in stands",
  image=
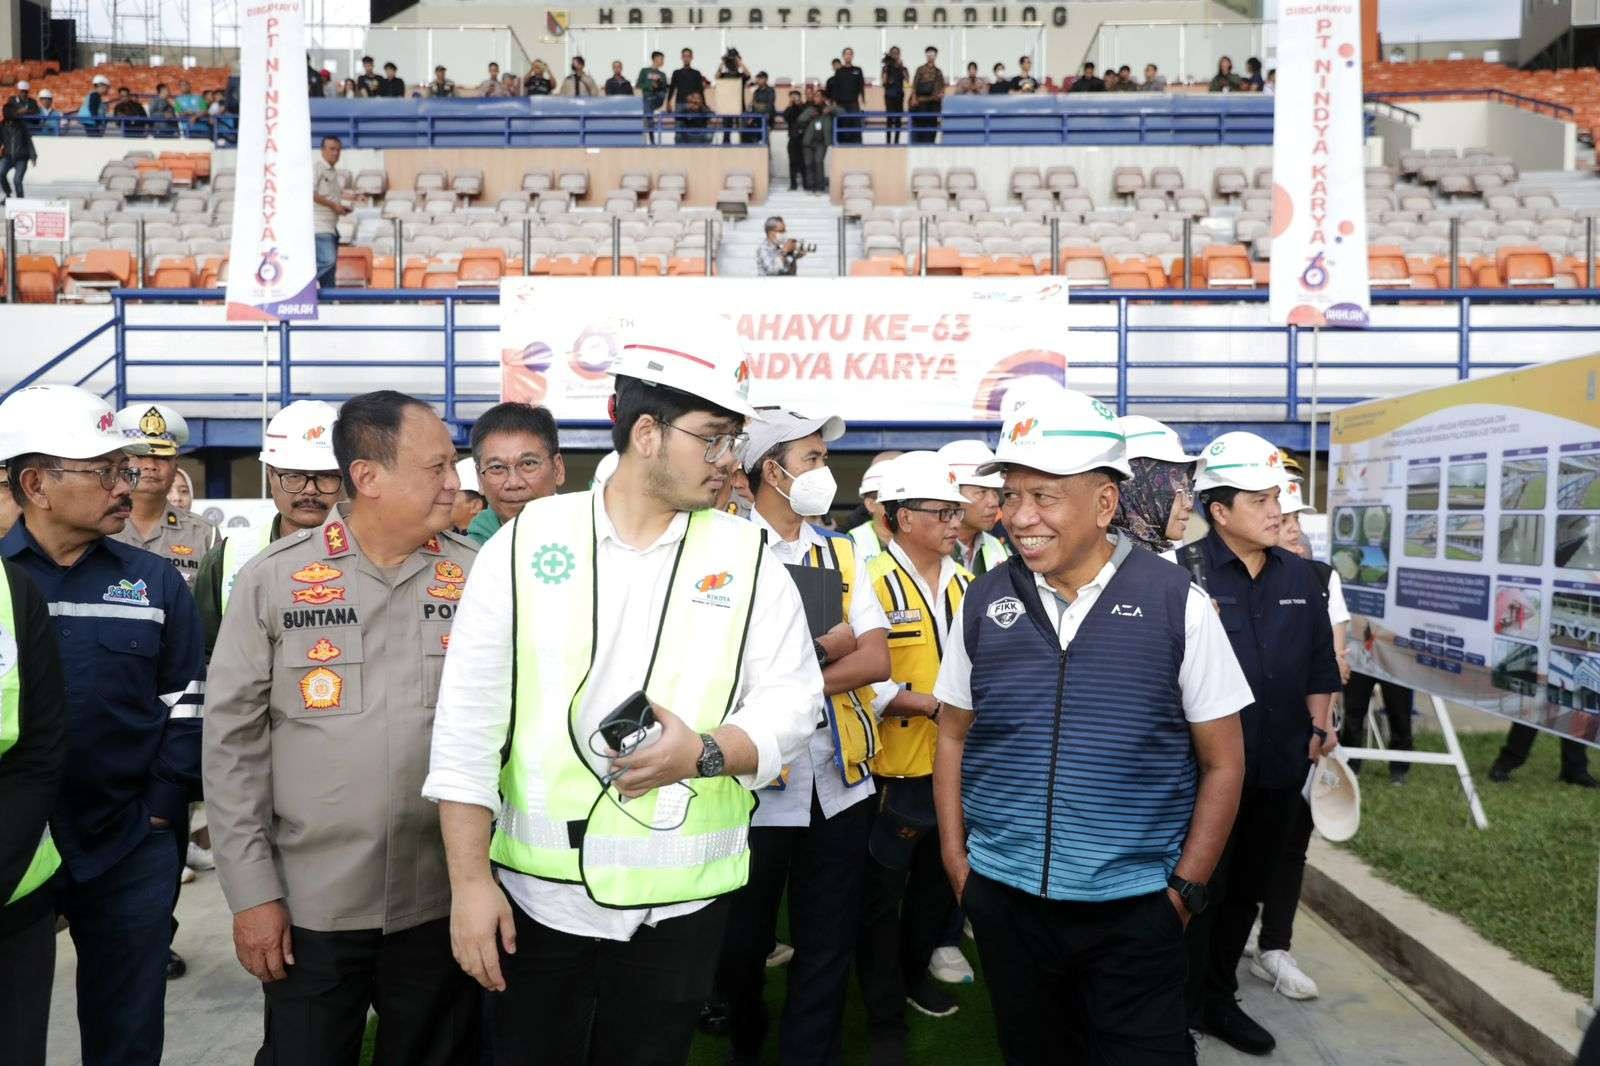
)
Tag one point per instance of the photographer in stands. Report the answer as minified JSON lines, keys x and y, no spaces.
{"x":779,"y":255}
{"x":578,"y":83}
{"x":538,"y":82}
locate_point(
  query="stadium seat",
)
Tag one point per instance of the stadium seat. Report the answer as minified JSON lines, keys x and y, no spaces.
{"x":1085,"y":267}
{"x":173,"y":272}
{"x":1387,"y":267}
{"x":38,"y":279}
{"x":1227,"y":266}
{"x":1524,"y":267}
{"x":354,"y":267}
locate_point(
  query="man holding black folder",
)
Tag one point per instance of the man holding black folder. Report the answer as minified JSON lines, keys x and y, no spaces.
{"x":810,"y":831}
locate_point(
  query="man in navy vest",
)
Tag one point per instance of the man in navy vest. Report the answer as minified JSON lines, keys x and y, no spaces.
{"x":1089,"y":759}
{"x":1271,"y":605}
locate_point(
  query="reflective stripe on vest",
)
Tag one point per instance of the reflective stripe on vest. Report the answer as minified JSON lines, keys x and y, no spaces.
{"x":992,"y":551}
{"x":915,"y":651}
{"x":850,"y":715}
{"x":45,"y":857}
{"x":238,"y":550}
{"x":683,"y":842}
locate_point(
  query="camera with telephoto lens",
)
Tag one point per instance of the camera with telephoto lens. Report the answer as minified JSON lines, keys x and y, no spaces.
{"x":804,"y":247}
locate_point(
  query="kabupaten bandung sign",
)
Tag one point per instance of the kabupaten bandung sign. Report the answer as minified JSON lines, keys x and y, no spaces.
{"x":830,"y":15}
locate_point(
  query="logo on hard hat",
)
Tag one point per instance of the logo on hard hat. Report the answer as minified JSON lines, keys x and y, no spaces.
{"x":152,"y":423}
{"x":1273,"y":459}
{"x":1104,"y":411}
{"x":1023,"y":428}
{"x":1218,"y":448}
{"x":105,"y":422}
{"x":314,"y":433}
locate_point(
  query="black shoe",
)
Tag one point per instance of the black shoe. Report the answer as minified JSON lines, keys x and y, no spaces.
{"x":1499,"y":773}
{"x":715,"y":1019}
{"x":1229,"y":1023}
{"x":176,"y":967}
{"x":1582,"y":779}
{"x":1397,"y":775}
{"x":931,"y":1000}
{"x":887,"y":1051}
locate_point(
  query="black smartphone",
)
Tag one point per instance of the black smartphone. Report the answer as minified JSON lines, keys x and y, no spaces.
{"x":632,"y":715}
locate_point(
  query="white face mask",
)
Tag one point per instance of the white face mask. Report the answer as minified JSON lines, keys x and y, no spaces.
{"x":812,"y":492}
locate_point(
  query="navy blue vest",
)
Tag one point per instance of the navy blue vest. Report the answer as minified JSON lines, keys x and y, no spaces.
{"x":1079,"y":777}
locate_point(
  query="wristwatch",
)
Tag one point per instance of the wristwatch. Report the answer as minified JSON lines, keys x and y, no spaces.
{"x":1321,"y":733}
{"x":822,"y":654}
{"x":711,"y":761}
{"x":1193,"y":894}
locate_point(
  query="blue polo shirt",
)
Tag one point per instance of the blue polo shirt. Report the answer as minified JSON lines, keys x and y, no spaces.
{"x":133,"y":652}
{"x":1278,"y":625}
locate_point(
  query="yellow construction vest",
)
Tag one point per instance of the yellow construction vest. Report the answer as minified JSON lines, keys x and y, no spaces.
{"x":683,"y":842}
{"x":865,"y":538}
{"x":46,"y":860}
{"x":850,"y":715}
{"x":915,"y":651}
{"x":238,"y":550}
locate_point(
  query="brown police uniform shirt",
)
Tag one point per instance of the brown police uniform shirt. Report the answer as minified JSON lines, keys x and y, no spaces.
{"x":319,"y":721}
{"x":180,"y":537}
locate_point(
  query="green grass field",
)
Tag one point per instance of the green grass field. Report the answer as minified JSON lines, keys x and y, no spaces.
{"x":1527,"y":883}
{"x":1425,"y":549}
{"x":1463,"y":556}
{"x":1531,"y":498}
{"x":1422,"y":500}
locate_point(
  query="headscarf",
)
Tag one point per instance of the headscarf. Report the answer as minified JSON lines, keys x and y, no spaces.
{"x":1144,"y":504}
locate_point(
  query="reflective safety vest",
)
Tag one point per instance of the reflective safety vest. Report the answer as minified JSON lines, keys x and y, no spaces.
{"x":46,"y":859}
{"x":992,"y":551}
{"x":238,"y":550}
{"x":865,"y":538}
{"x":850,"y":714}
{"x":915,"y":651}
{"x":686,"y":841}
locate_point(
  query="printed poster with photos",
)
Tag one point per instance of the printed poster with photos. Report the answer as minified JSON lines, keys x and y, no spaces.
{"x":1464,"y":522}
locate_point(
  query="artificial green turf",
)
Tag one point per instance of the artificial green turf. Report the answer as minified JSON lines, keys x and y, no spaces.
{"x":1527,"y":883}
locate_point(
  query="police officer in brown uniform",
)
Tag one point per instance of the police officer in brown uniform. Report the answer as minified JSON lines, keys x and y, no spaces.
{"x":316,"y":745}
{"x":180,"y":537}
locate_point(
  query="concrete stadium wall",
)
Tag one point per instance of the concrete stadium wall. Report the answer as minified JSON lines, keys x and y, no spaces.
{"x":75,"y":159}
{"x":1536,"y":142}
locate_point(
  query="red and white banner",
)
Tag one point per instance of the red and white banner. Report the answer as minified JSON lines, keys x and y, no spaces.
{"x":871,"y":350}
{"x":1319,"y":206}
{"x":39,"y":220}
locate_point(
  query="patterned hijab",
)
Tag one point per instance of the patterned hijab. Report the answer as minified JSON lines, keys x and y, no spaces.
{"x":1145,"y":501}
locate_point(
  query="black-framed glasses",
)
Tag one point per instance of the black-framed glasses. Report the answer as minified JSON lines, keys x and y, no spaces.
{"x":527,"y":465}
{"x":297,"y":480}
{"x":108,"y":475}
{"x":716,"y":447}
{"x":943,"y":514}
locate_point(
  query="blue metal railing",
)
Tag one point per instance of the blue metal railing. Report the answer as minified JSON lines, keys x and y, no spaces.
{"x":219,"y":129}
{"x":1275,"y":403}
{"x":580,"y":129}
{"x":1079,"y":125}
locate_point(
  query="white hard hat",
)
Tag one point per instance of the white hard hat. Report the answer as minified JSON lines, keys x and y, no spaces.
{"x":704,"y":361}
{"x":1149,"y":439}
{"x":1061,"y":432}
{"x":467,"y":471}
{"x":100,"y":79}
{"x":919,"y":476}
{"x":1241,"y":461}
{"x":300,"y":437}
{"x":872,"y":480}
{"x":23,"y":86}
{"x":1335,"y":799}
{"x":1292,"y":497}
{"x":61,"y":420}
{"x":46,"y":92}
{"x":778,"y":426}
{"x":156,"y":424}
{"x":965,"y":456}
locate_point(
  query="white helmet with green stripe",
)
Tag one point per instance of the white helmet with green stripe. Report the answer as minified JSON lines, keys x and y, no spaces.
{"x":1239,"y":461}
{"x":1059,"y":431}
{"x":1149,"y":439}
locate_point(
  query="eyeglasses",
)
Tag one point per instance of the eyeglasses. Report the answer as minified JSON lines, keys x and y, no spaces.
{"x":943,"y":514}
{"x":296,"y":481}
{"x":528,"y":466}
{"x":719,"y":446}
{"x":108,"y":475}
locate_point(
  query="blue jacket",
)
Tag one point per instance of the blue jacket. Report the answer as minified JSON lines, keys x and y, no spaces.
{"x":1079,"y":777}
{"x":133,"y":652}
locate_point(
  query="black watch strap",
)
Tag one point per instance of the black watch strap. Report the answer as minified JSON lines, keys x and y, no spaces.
{"x":822,"y":655}
{"x":1193,"y":893}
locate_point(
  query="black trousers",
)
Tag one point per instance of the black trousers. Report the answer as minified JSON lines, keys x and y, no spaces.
{"x":575,"y":1000}
{"x":27,"y":970}
{"x":427,"y":1007}
{"x":816,"y":156}
{"x":1283,"y":888}
{"x":797,"y":164}
{"x":821,"y":867}
{"x":1215,"y":940}
{"x":892,"y":122}
{"x":903,"y":920}
{"x":1519,"y":742}
{"x":925,"y":130}
{"x":1397,"y":703}
{"x":1081,"y":983}
{"x":847,"y":119}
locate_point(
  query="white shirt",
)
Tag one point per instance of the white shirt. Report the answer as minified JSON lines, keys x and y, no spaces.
{"x":779,"y":685}
{"x":816,"y":769}
{"x":1337,"y":611}
{"x":1210,"y":679}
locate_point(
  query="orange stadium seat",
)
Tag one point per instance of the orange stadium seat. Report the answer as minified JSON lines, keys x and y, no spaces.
{"x":1227,"y":266}
{"x":173,"y":272}
{"x":38,"y":279}
{"x":1525,"y":267}
{"x":354,"y":268}
{"x":627,"y":266}
{"x":383,"y":272}
{"x":1387,"y":267}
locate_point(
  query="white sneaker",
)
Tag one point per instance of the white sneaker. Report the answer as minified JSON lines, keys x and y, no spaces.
{"x":781,"y":954}
{"x":1252,"y":947}
{"x":950,"y":966}
{"x":185,"y":876}
{"x":199,"y":858}
{"x":1285,"y":975}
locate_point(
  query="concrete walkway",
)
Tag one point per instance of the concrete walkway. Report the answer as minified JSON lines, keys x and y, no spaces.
{"x":1364,"y":1017}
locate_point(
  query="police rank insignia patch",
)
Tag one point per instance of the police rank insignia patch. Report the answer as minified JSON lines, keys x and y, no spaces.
{"x":321,"y":689}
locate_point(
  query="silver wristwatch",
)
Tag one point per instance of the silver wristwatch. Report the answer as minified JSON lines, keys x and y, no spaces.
{"x":711,"y":760}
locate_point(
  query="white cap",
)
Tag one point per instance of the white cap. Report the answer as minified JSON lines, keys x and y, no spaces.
{"x":61,"y":420}
{"x":919,"y":476}
{"x":965,"y":456}
{"x":467,"y":471}
{"x":778,"y":426}
{"x":704,"y":361}
{"x":1335,"y":799}
{"x":23,"y":86}
{"x":1061,"y":432}
{"x":46,"y":92}
{"x":872,"y":480}
{"x":300,"y":437}
{"x":1292,"y":498}
{"x":1240,"y":461}
{"x":100,"y":79}
{"x":156,"y":424}
{"x":1149,"y":439}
